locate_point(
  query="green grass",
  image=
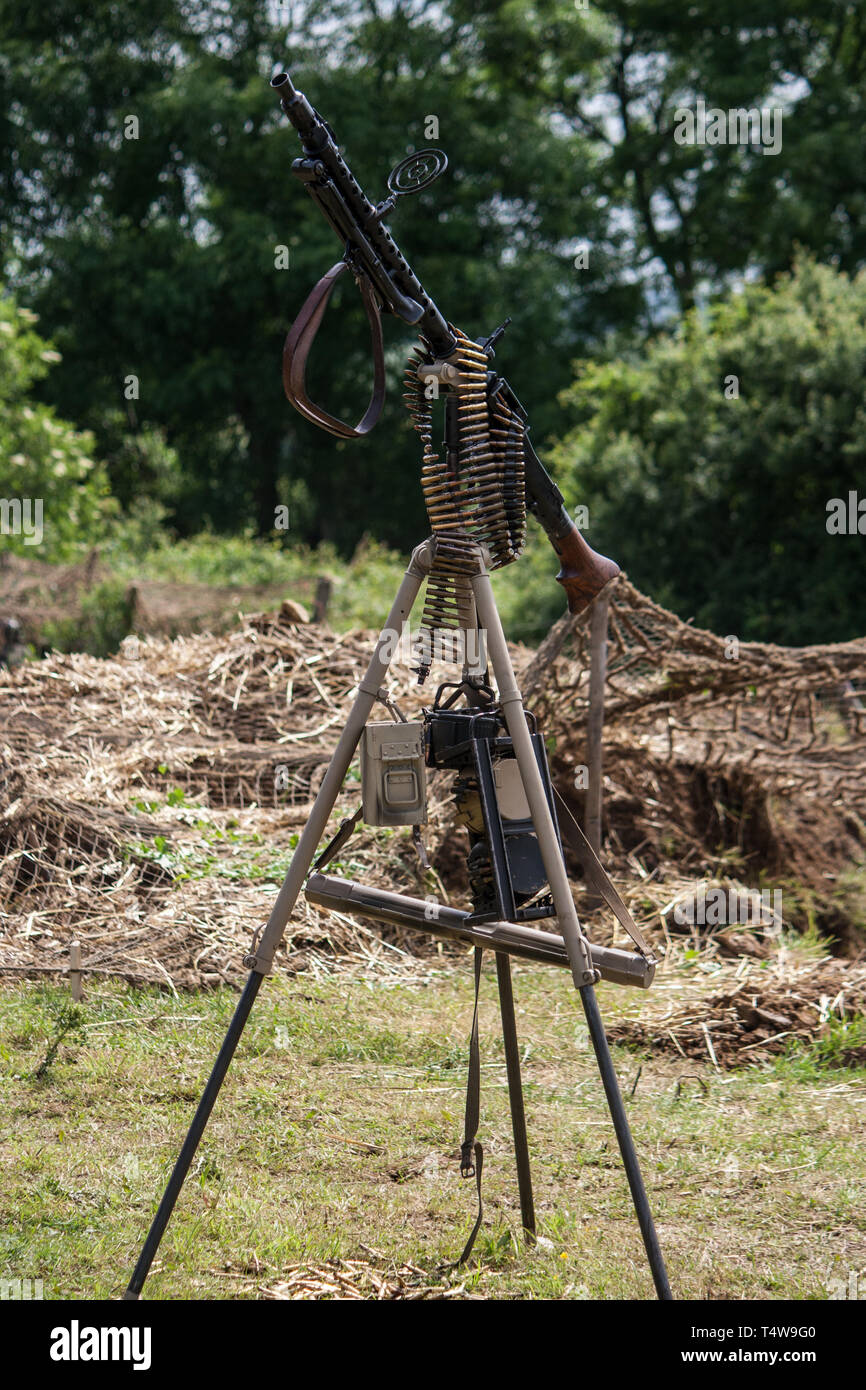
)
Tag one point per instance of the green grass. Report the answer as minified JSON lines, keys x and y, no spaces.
{"x":363,"y":586}
{"x":338,"y":1129}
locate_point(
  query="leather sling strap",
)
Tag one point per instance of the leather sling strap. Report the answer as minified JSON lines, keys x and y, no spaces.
{"x":596,"y":876}
{"x":337,"y":841}
{"x":300,"y":340}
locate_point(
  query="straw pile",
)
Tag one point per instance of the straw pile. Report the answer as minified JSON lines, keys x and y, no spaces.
{"x":721,"y":757}
{"x":148,"y":803}
{"x":356,"y":1279}
{"x":750,"y":1013}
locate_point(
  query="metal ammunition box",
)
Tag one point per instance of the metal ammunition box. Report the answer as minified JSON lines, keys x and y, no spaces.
{"x":393,"y":776}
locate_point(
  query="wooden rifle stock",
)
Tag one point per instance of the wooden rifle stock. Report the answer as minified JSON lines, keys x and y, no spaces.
{"x":584,"y":572}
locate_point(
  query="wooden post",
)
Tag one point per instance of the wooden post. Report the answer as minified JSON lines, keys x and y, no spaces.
{"x":595,"y":727}
{"x":324,"y":589}
{"x":75,"y":970}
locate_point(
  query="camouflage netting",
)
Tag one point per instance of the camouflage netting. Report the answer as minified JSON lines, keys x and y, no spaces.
{"x":721,"y":758}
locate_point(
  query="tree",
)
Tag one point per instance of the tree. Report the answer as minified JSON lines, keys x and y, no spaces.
{"x":149,"y":209}
{"x":710,"y":461}
{"x":53,"y":492}
{"x":150,"y":199}
{"x":619,"y":71}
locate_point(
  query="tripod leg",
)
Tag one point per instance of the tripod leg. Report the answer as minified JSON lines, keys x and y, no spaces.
{"x":515,"y":1094}
{"x":626,"y":1143}
{"x":333,"y":779}
{"x":515,"y":718}
{"x":575,"y":942}
{"x":301,"y":860}
{"x":196,"y":1130}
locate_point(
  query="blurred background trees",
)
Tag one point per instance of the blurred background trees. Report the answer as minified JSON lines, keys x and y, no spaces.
{"x":708,"y":458}
{"x":145,"y":185}
{"x":42,"y":456}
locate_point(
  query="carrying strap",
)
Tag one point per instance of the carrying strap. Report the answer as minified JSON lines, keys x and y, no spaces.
{"x":300,"y":340}
{"x":596,"y":875}
{"x":337,"y":841}
{"x":470,"y":1148}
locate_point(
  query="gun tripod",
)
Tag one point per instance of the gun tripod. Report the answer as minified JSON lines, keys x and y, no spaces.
{"x":570,"y":949}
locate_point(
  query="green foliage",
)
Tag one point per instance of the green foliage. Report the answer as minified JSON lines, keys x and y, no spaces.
{"x":44,"y":462}
{"x":528,"y":597}
{"x":155,"y":255}
{"x":103,"y":619}
{"x":144,"y":472}
{"x":150,"y":252}
{"x":209,"y":558}
{"x":363,"y":587}
{"x":718,"y":505}
{"x":67,"y":1019}
{"x":850,"y":894}
{"x":842,"y":1044}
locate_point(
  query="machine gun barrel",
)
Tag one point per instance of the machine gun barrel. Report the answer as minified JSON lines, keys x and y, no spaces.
{"x":358,"y":223}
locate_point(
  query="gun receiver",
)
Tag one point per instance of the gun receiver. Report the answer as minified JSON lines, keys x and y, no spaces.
{"x":388,"y":282}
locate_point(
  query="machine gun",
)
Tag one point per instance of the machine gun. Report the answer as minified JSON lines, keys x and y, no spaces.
{"x":490,"y":472}
{"x":477,"y":495}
